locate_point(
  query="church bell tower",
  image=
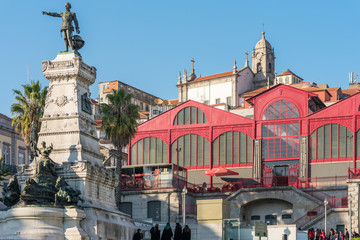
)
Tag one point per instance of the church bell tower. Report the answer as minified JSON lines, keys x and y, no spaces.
{"x":263,"y":63}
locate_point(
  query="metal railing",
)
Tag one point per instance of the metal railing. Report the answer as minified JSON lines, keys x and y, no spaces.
{"x":333,"y":202}
{"x":301,"y":183}
{"x":138,"y":185}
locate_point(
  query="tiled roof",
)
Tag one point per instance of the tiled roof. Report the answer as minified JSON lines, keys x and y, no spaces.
{"x":253,"y":92}
{"x":288,"y":72}
{"x":256,"y":91}
{"x":332,"y":88}
{"x":217,"y":104}
{"x":174,"y":101}
{"x":224,"y":74}
{"x":350,"y":91}
{"x":143,"y":115}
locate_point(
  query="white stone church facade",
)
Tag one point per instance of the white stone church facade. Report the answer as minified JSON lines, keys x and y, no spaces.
{"x":225,"y":88}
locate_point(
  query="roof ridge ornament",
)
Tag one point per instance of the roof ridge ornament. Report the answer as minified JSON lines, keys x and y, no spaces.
{"x":247,"y":60}
{"x":234,"y":67}
{"x":192,"y":75}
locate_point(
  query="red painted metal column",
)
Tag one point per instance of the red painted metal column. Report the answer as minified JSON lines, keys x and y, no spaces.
{"x":354,"y":142}
{"x":129,"y":152}
{"x":210,"y":155}
{"x":169,"y":146}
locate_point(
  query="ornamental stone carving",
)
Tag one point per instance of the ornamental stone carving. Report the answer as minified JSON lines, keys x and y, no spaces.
{"x":61,"y":101}
{"x":45,"y":65}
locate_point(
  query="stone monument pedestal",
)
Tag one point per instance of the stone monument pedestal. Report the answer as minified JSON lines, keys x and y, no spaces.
{"x":42,"y":223}
{"x":68,"y":124}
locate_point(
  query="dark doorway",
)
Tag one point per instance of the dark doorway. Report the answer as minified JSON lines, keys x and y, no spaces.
{"x":281,"y":175}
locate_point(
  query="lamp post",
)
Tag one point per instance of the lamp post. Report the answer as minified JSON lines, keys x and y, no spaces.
{"x":350,"y":213}
{"x":184,"y":192}
{"x":325,"y":205}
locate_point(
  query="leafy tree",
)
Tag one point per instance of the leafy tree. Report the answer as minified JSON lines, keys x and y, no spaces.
{"x":119,"y":123}
{"x":28,"y":109}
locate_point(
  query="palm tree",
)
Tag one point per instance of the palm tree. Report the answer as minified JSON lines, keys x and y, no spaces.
{"x":28,"y":109}
{"x":119,"y":123}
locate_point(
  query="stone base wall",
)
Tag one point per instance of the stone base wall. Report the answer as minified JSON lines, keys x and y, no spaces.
{"x":42,"y":223}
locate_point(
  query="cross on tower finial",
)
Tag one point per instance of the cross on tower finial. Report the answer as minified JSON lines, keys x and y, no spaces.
{"x":246,"y":61}
{"x":193,"y":61}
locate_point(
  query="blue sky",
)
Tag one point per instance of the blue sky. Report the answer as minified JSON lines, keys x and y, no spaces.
{"x":145,"y":43}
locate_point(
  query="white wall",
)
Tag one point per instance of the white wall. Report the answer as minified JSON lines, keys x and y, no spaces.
{"x":245,"y":81}
{"x":212,"y":92}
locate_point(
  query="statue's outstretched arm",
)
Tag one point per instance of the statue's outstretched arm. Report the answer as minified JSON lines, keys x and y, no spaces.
{"x":53,"y":14}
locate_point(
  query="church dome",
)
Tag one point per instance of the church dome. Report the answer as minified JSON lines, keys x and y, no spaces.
{"x":263,"y":42}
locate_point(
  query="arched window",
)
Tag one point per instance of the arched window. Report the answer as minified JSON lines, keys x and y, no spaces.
{"x":279,"y":110}
{"x":190,"y":115}
{"x":269,"y":68}
{"x":331,"y":141}
{"x":232,"y":148}
{"x":190,"y":150}
{"x":259,"y":68}
{"x":149,"y":150}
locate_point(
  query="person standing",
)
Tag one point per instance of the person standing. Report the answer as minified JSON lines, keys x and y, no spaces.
{"x":167,"y":233}
{"x":186,"y":233}
{"x":138,"y":235}
{"x":155,"y":232}
{"x":347,"y":235}
{"x":178,"y":232}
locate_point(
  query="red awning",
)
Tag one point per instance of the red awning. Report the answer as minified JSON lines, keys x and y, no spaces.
{"x":220,"y":172}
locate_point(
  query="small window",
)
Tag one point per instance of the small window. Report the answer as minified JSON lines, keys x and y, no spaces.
{"x":206,"y":102}
{"x":255,"y":217}
{"x":217,"y":101}
{"x":113,"y":84}
{"x":6,"y":154}
{"x":21,"y":158}
{"x":154,"y":210}
{"x":287,"y":80}
{"x":228,"y":101}
{"x":271,"y":219}
{"x":126,"y":207}
{"x":155,"y":112}
{"x":286,"y":216}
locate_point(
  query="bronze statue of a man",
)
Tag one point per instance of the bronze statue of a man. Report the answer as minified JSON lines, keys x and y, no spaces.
{"x":66,"y":27}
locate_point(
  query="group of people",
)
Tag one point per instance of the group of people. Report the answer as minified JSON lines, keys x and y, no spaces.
{"x":334,"y":234}
{"x":167,"y":234}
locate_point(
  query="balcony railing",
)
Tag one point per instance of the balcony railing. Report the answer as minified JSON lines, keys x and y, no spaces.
{"x":138,"y":185}
{"x":303,"y":183}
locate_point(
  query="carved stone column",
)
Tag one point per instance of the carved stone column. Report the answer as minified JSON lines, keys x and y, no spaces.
{"x":68,"y":122}
{"x":304,"y":157}
{"x":257,"y":159}
{"x":353,"y":191}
